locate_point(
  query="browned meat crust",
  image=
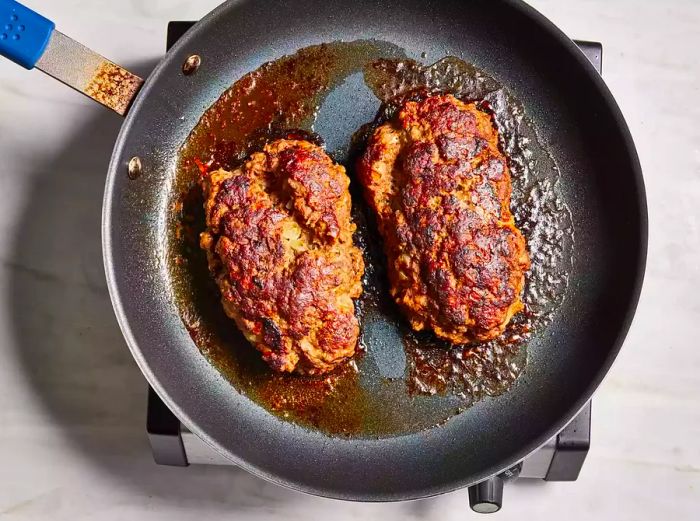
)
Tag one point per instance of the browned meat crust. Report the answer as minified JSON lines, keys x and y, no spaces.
{"x":279,"y":243}
{"x":440,"y":188}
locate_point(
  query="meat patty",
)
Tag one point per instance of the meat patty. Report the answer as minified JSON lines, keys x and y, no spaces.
{"x":440,"y":188}
{"x":279,"y":244}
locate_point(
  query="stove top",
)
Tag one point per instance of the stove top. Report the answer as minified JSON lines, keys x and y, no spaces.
{"x":560,"y":459}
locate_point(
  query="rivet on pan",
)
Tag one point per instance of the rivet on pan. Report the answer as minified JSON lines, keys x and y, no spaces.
{"x":191,"y":64}
{"x":135,"y":168}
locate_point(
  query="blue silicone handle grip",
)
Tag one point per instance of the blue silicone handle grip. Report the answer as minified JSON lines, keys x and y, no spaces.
{"x":24,"y":34}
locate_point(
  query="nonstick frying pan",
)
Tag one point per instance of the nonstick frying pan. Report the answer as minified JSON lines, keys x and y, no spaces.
{"x":578,"y":121}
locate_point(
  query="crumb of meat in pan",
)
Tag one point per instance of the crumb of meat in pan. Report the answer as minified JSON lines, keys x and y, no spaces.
{"x":279,"y":244}
{"x":440,"y":188}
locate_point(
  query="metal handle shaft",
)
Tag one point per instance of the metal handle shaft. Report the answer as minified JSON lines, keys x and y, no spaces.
{"x":30,"y":40}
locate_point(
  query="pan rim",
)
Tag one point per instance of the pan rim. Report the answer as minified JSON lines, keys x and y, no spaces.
{"x":119,"y":310}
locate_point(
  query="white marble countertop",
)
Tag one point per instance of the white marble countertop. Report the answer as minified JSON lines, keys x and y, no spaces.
{"x":72,"y":401}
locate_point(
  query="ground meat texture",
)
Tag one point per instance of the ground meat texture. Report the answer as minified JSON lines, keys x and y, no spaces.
{"x":440,"y":188}
{"x":279,"y":244}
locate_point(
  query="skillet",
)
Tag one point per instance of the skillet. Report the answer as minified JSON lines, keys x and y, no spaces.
{"x":576,"y":117}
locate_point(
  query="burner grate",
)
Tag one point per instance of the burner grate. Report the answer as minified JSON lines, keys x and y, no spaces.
{"x":560,"y":459}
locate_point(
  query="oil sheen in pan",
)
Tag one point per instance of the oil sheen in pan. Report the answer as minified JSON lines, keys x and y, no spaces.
{"x":402,"y":381}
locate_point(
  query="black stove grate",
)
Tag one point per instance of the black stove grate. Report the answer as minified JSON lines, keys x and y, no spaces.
{"x":560,"y":459}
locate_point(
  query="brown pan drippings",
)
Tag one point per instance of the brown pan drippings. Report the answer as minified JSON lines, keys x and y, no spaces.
{"x":405,"y":381}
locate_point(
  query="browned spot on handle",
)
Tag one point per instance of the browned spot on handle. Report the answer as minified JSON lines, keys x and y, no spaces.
{"x":114,"y":87}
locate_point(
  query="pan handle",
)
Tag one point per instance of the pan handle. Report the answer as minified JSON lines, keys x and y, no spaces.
{"x":30,"y":40}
